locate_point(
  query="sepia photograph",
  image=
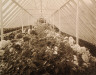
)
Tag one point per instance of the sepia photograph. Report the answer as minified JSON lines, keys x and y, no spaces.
{"x":47,"y":37}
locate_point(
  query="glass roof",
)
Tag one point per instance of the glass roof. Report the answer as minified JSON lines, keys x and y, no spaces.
{"x":62,"y":11}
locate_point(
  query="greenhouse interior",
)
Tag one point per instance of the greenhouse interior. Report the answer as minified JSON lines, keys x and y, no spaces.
{"x":47,"y":37}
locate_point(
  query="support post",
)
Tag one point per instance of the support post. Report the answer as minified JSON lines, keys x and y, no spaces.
{"x":59,"y":21}
{"x":53,"y":25}
{"x":77,"y":23}
{"x":50,"y":20}
{"x":22,"y":21}
{"x":1,"y":19}
{"x":28,"y":20}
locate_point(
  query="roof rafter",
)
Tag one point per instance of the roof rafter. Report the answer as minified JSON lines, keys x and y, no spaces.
{"x":61,"y":7}
{"x":22,"y":8}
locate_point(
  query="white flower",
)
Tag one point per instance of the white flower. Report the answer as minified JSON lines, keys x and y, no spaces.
{"x":93,"y":58}
{"x":83,"y":49}
{"x":24,"y":31}
{"x":29,"y":30}
{"x":55,"y":50}
{"x":75,"y":60}
{"x":48,"y":48}
{"x":57,"y":35}
{"x":65,"y":38}
{"x":4,"y":43}
{"x":2,"y":52}
{"x":71,"y":41}
{"x":85,"y":57}
{"x":85,"y":64}
{"x":11,"y":50}
{"x":76,"y":48}
{"x":18,"y":43}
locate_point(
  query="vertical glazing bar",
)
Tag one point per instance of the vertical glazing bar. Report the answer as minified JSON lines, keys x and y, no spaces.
{"x":1,"y":20}
{"x":22,"y":20}
{"x":59,"y":20}
{"x":28,"y":19}
{"x":77,"y":23}
{"x":53,"y":23}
